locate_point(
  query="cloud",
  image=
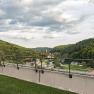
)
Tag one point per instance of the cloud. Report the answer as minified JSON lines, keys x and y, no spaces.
{"x":46,"y":22}
{"x":72,"y":13}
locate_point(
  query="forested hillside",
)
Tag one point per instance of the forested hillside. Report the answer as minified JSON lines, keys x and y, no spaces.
{"x":11,"y":51}
{"x":82,"y":49}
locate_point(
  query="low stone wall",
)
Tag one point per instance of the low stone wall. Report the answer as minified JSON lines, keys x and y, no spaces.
{"x":78,"y":83}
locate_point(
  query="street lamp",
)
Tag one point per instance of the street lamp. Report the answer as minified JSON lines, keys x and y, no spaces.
{"x":3,"y":60}
{"x":40,"y":70}
{"x":69,"y":64}
{"x":70,"y":75}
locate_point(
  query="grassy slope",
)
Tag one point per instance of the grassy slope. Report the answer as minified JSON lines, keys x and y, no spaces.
{"x":10,"y":49}
{"x":5,"y":44}
{"x":10,"y":85}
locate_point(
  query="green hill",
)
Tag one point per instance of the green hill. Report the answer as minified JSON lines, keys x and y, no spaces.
{"x":17,"y":52}
{"x":82,"y":49}
{"x":8,"y":48}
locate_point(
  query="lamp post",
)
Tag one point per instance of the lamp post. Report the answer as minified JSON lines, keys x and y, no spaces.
{"x":3,"y":60}
{"x":40,"y":70}
{"x":70,"y":75}
{"x":69,"y":65}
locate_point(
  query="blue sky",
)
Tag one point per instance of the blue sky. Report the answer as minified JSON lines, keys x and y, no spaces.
{"x":35,"y":23}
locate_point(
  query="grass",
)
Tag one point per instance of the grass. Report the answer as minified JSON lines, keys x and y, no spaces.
{"x":76,"y":67}
{"x":9,"y":85}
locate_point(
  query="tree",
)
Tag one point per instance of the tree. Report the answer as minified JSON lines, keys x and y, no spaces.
{"x":17,"y":56}
{"x":2,"y":58}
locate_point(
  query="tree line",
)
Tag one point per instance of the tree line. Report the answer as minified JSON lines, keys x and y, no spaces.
{"x":81,"y":50}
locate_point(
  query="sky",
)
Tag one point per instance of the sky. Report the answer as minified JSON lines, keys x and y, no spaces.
{"x":46,"y":23}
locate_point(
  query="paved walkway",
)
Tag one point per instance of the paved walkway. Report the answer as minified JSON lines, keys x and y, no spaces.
{"x":82,"y":84}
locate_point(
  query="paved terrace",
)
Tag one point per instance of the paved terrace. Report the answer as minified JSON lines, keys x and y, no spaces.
{"x":80,"y":83}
